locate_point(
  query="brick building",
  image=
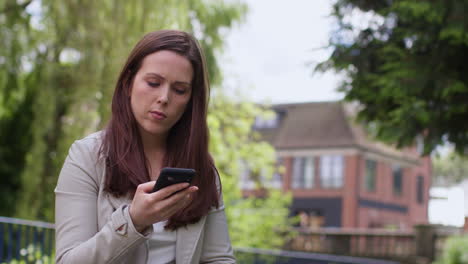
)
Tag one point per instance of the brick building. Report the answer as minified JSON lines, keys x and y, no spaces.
{"x":338,"y":176}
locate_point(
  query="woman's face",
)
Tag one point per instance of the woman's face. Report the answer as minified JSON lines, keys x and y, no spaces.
{"x":160,"y":92}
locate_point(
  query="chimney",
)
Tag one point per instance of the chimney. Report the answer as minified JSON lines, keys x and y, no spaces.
{"x":465,"y":227}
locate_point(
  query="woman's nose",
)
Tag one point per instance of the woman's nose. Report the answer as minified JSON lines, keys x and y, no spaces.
{"x":163,"y":96}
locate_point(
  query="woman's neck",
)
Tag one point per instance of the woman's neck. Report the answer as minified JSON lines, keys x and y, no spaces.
{"x":155,"y":149}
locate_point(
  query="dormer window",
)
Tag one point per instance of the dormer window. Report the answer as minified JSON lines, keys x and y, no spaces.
{"x":266,"y":122}
{"x":420,"y":144}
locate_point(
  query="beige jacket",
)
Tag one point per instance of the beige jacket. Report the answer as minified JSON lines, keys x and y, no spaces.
{"x":95,"y":227}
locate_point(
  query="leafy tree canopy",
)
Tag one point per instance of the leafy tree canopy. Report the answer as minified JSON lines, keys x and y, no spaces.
{"x":405,"y":63}
{"x":450,"y":169}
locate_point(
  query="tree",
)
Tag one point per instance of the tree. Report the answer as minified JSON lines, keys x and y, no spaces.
{"x":454,"y":251}
{"x":15,"y":101}
{"x":406,"y":67}
{"x":450,"y":169}
{"x":253,"y":222}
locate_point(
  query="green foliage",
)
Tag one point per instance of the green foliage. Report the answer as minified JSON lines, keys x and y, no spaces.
{"x":261,"y":223}
{"x":450,"y":169}
{"x":15,"y":102}
{"x":32,"y":255}
{"x":406,"y":67}
{"x":57,"y":71}
{"x":455,"y":251}
{"x":253,"y":222}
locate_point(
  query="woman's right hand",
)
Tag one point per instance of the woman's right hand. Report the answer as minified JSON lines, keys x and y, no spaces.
{"x":148,"y":208}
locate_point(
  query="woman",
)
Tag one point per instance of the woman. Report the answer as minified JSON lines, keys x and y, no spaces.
{"x":106,"y":211}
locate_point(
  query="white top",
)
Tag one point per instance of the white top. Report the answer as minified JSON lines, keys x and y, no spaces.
{"x":162,"y":245}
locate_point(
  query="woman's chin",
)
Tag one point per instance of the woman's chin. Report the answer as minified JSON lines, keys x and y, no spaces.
{"x":155,"y":131}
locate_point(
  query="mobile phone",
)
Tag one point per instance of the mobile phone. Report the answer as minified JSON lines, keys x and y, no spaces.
{"x":169,"y":176}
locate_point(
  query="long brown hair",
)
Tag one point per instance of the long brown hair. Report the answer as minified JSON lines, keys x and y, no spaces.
{"x":187,"y":143}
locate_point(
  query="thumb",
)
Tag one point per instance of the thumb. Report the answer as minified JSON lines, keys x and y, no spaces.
{"x":146,"y":187}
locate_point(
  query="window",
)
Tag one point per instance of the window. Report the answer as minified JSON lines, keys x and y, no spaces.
{"x":277,"y":179}
{"x":397,"y":180}
{"x":274,"y":181}
{"x":331,"y":171}
{"x":420,"y":189}
{"x":246,"y":182}
{"x":371,"y":175}
{"x":266,"y":122}
{"x":420,"y":144}
{"x":247,"y":178}
{"x":303,"y":172}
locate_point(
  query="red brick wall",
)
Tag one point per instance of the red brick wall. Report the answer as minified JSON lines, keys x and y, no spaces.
{"x":350,"y":191}
{"x":419,"y":212}
{"x":416,"y":214}
{"x":375,"y":217}
{"x":353,"y":189}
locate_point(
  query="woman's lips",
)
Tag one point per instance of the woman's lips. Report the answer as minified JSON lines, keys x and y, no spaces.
{"x":158,"y":115}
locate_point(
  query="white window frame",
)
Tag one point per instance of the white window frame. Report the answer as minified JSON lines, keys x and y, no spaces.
{"x":303,"y":173}
{"x":332,"y":171}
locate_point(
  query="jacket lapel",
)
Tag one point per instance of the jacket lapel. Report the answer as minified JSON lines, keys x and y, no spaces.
{"x":187,"y":240}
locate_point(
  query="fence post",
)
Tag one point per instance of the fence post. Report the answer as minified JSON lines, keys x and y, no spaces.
{"x":425,"y":241}
{"x":341,"y":244}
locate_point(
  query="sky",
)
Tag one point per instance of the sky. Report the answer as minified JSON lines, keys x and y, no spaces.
{"x":449,"y":208}
{"x":268,"y":57}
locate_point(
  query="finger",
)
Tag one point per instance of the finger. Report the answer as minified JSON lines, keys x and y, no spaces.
{"x":164,"y":205}
{"x":167,"y":191}
{"x":179,"y":205}
{"x":176,"y":202}
{"x":176,"y":198}
{"x":146,"y":187}
{"x":167,"y":207}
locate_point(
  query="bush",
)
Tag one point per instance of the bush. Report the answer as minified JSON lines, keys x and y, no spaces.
{"x":32,"y":255}
{"x":455,"y":251}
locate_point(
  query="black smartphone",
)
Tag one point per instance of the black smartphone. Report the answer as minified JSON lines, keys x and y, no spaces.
{"x":169,"y":176}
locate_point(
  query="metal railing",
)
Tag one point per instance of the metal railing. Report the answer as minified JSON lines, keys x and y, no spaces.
{"x":265,"y":256}
{"x":23,"y":241}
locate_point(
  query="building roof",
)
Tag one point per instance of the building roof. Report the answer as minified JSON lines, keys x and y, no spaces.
{"x":319,"y":125}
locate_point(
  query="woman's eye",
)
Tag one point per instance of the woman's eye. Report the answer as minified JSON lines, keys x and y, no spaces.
{"x":180,"y":91}
{"x":153,"y":84}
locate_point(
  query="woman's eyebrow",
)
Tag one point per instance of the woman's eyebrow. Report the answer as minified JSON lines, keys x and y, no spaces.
{"x":182,"y":83}
{"x":153,"y":74}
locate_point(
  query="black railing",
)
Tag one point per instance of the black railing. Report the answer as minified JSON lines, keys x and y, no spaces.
{"x":265,"y":256}
{"x":23,"y":241}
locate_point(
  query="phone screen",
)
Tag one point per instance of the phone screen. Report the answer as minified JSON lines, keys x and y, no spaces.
{"x":169,"y":176}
